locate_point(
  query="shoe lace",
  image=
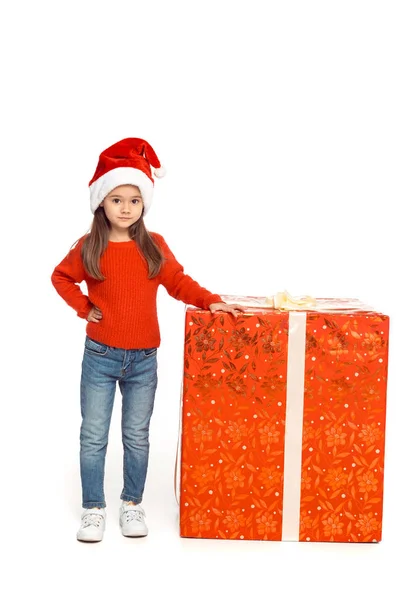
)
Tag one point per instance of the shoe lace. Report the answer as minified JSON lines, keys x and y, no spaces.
{"x":131,"y":514}
{"x":92,"y":519}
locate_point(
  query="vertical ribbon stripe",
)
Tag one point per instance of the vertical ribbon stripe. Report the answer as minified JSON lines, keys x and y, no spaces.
{"x":294,"y":426}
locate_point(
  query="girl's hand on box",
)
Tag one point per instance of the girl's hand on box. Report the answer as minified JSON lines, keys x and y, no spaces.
{"x":229,"y":308}
{"x":95,"y":315}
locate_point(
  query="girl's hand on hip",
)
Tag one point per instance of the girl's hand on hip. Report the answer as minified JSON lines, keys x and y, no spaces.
{"x":229,"y":308}
{"x":95,"y":315}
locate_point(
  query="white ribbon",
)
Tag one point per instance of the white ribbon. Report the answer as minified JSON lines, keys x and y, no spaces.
{"x":284,"y":301}
{"x":294,"y":426}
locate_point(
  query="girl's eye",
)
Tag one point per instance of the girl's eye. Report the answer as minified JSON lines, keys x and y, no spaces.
{"x":135,"y":200}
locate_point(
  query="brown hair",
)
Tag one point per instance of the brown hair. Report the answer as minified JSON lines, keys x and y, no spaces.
{"x":96,"y":241}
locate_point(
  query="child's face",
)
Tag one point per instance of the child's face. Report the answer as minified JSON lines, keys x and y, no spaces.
{"x":123,"y":206}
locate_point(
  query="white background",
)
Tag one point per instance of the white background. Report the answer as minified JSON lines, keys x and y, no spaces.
{"x":278,"y":123}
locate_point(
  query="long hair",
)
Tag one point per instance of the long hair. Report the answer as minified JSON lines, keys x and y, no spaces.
{"x":96,"y":241}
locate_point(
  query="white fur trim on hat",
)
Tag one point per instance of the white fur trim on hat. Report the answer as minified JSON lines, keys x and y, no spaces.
{"x":121,"y":176}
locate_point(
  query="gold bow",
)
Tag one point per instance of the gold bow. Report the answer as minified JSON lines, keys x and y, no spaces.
{"x":284,"y":301}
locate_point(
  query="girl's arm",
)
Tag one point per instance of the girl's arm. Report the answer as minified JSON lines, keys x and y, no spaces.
{"x":182,"y":286}
{"x":66,"y":277}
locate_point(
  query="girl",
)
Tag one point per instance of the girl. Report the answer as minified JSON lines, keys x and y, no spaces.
{"x":123,"y":264}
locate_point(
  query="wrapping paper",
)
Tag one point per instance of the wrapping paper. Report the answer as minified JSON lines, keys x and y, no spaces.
{"x":283,"y":423}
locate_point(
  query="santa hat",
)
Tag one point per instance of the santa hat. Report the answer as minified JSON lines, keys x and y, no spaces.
{"x":128,"y":161}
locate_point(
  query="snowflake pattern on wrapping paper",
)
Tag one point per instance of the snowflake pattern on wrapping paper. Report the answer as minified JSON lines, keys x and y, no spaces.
{"x":233,"y":426}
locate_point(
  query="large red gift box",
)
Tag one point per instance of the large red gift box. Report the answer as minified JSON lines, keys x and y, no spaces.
{"x":283,"y":423}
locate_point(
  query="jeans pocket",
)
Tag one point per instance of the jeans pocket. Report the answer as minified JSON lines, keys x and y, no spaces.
{"x":149,"y":352}
{"x":95,"y":348}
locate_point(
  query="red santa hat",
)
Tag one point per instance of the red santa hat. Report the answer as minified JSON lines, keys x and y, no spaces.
{"x":128,"y":161}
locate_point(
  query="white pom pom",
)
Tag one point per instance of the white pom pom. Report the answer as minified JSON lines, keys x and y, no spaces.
{"x":160,"y":172}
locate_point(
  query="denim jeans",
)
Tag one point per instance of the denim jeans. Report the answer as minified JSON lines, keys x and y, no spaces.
{"x":136,"y":373}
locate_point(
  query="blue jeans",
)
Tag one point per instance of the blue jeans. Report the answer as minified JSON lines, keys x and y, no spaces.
{"x":136,"y":373}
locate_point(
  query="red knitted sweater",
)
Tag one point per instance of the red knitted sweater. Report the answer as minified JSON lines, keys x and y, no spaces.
{"x":127,"y":297}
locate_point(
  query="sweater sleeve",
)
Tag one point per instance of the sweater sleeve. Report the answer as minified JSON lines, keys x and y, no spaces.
{"x":180,"y":285}
{"x":66,"y":277}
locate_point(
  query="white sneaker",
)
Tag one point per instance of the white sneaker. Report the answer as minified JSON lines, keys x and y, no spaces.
{"x":131,"y":520}
{"x":92,"y":525}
